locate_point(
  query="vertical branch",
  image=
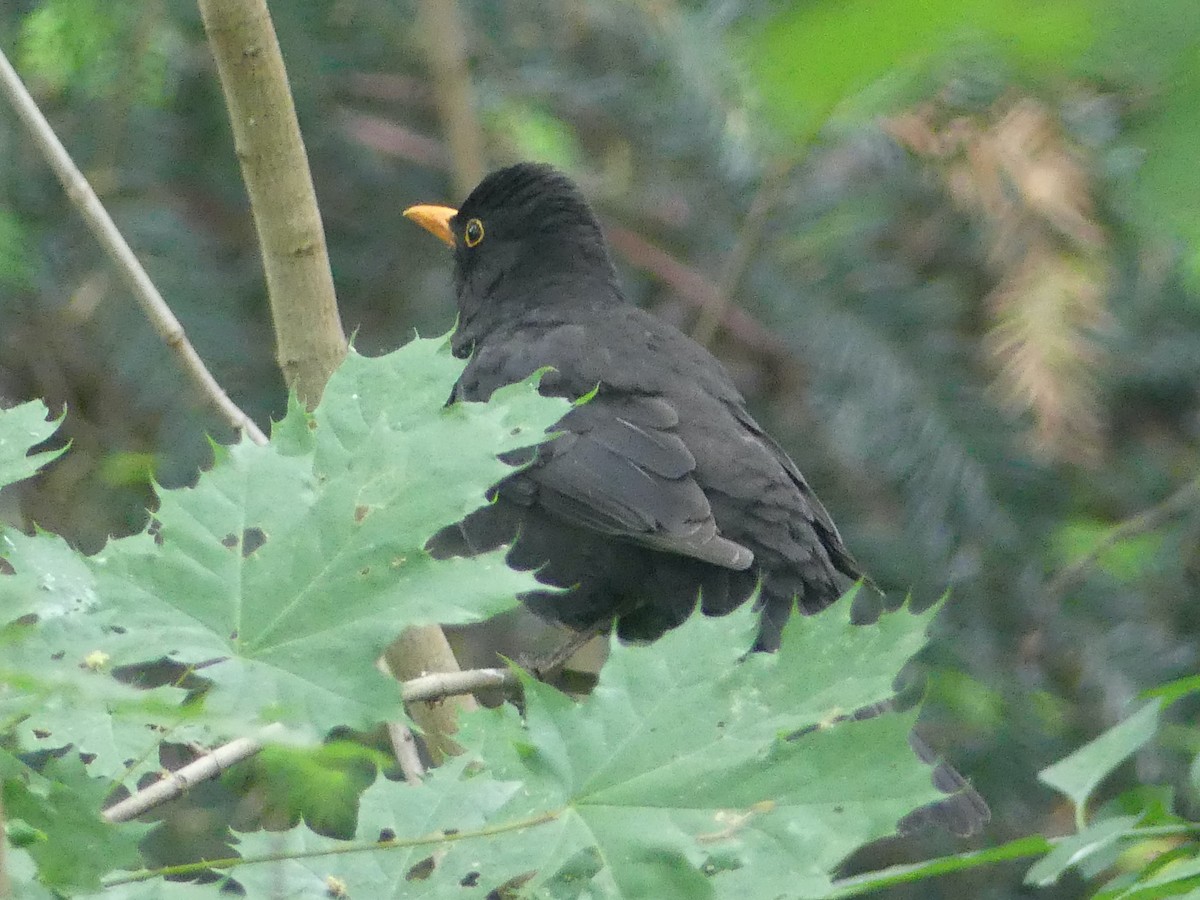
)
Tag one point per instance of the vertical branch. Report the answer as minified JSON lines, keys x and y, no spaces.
{"x":309,"y":339}
{"x":420,"y":651}
{"x":308,"y":332}
{"x":441,"y":26}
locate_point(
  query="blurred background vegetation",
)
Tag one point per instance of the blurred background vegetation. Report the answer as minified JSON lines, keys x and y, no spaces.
{"x":949,"y":251}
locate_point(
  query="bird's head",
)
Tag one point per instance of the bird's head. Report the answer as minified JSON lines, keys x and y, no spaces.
{"x":524,"y":237}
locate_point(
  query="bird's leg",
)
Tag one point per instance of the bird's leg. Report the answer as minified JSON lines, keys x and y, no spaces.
{"x":550,"y":666}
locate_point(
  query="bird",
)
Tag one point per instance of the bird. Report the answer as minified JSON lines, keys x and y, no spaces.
{"x":661,"y":488}
{"x":660,"y":492}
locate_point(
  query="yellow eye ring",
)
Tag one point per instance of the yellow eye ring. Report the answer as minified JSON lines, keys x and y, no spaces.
{"x":473,"y":233}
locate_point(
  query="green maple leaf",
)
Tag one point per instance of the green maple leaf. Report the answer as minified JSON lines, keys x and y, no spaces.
{"x":455,"y":800}
{"x":21,"y":428}
{"x":687,"y":773}
{"x":56,"y":687}
{"x":56,"y":808}
{"x":289,"y":567}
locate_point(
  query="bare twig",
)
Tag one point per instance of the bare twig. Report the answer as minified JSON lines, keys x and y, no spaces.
{"x":210,"y":765}
{"x":105,"y":231}
{"x":426,"y":688}
{"x":448,"y":684}
{"x":404,"y":748}
{"x":714,"y":310}
{"x":309,"y":340}
{"x":1182,"y":501}
{"x":441,"y":25}
{"x":696,"y":289}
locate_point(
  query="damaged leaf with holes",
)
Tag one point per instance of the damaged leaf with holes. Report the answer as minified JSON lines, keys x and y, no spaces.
{"x":689,"y":773}
{"x":57,"y":686}
{"x":288,"y":568}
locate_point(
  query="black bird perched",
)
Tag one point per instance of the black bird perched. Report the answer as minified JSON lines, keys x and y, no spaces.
{"x":661,"y":488}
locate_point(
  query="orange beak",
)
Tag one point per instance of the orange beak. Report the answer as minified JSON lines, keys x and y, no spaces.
{"x":434,"y":219}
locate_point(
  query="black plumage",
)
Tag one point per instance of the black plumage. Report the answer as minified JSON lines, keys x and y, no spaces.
{"x":661,"y":490}
{"x":662,"y":487}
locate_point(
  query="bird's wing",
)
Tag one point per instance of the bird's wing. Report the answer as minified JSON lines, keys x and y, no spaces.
{"x":813,"y":510}
{"x":619,"y":468}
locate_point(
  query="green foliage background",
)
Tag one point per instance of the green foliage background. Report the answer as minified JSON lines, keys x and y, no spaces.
{"x":865,"y":312}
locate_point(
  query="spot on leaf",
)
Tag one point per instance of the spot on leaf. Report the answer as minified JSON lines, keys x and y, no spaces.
{"x":718,"y":863}
{"x":421,"y":870}
{"x":509,"y":889}
{"x":252,"y":539}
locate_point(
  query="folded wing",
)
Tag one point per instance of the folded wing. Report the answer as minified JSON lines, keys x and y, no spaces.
{"x":620,"y":469}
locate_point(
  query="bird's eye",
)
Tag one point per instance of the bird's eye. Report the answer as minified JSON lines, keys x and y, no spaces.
{"x":473,"y":233}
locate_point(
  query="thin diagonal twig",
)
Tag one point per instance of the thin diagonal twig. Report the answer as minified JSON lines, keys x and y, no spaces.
{"x":426,"y":688}
{"x":713,"y":312}
{"x":1185,"y":498}
{"x":81,"y":195}
{"x":177,"y":783}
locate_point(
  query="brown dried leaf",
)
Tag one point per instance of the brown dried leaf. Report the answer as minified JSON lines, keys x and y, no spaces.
{"x":1046,"y":314}
{"x":1018,"y":173}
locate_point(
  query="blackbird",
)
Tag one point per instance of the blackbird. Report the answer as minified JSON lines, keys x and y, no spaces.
{"x":661,"y":491}
{"x":661,"y":487}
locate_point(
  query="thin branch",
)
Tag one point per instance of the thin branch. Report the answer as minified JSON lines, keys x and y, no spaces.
{"x":81,"y":195}
{"x":716,"y":307}
{"x":426,"y":689}
{"x":208,"y":766}
{"x":697,"y":290}
{"x":442,"y":27}
{"x":448,"y":684}
{"x":385,"y":136}
{"x":404,"y":748}
{"x":1182,"y":501}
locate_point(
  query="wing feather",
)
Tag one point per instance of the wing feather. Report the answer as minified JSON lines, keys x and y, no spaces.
{"x":620,"y":469}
